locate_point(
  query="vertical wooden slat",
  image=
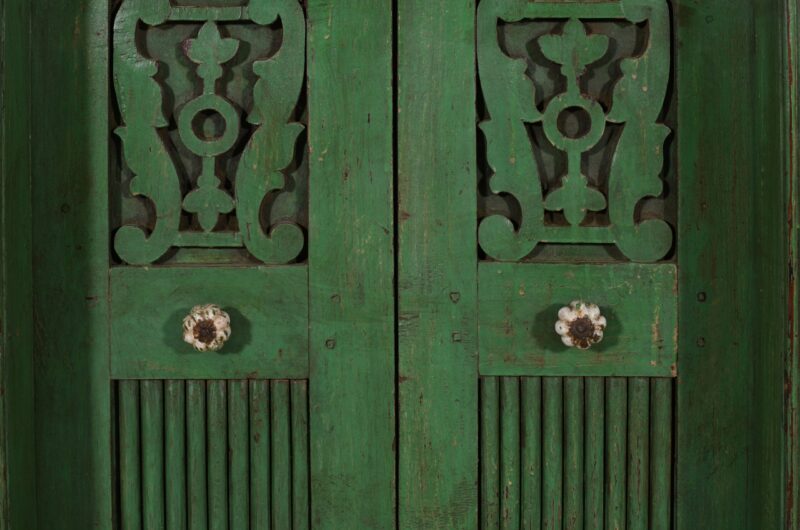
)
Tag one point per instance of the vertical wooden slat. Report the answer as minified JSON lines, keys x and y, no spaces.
{"x":217,"y":455}
{"x":509,"y":453}
{"x":616,"y":451}
{"x":552,"y":466}
{"x":573,"y":457}
{"x":238,"y":455}
{"x":197,"y":458}
{"x":638,"y":452}
{"x":259,"y":455}
{"x":300,"y":504}
{"x":152,"y":399}
{"x":661,"y":454}
{"x":351,"y":280}
{"x":281,"y":455}
{"x":490,"y":453}
{"x":175,"y":465}
{"x":129,"y":449}
{"x":531,"y":453}
{"x":594,"y":453}
{"x":437,"y":274}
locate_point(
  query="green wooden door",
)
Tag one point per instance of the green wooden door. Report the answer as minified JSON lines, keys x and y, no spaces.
{"x":616,"y":153}
{"x":231,"y":153}
{"x":390,"y":203}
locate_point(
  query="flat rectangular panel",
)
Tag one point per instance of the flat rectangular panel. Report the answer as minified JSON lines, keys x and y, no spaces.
{"x":268,"y":307}
{"x":519,"y":304}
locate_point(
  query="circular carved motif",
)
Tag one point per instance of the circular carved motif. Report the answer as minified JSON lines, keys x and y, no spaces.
{"x":198,"y":142}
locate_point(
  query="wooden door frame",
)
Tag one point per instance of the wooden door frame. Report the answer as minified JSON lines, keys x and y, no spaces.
{"x":769,"y":454}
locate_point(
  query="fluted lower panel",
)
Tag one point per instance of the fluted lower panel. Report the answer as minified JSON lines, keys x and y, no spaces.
{"x":576,"y":453}
{"x":209,"y":455}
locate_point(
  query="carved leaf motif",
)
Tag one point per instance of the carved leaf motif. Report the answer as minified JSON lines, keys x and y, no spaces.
{"x":574,"y":48}
{"x":210,"y":50}
{"x":575,"y":199}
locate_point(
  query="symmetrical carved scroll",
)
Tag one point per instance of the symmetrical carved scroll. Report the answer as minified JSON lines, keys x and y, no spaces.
{"x":575,"y":122}
{"x":241,"y":145}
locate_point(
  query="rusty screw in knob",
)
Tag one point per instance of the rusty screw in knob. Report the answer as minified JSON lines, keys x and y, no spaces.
{"x":580,"y":325}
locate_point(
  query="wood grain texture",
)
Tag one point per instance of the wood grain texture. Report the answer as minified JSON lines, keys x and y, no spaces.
{"x":351,"y":258}
{"x":69,"y":153}
{"x":17,"y":420}
{"x":228,"y":454}
{"x":590,"y":453}
{"x":269,"y":322}
{"x":519,"y":304}
{"x":791,"y":150}
{"x":732,"y":264}
{"x":437,"y":256}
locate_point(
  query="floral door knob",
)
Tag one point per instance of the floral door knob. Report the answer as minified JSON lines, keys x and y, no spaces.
{"x":580,"y":325}
{"x":207,"y":327}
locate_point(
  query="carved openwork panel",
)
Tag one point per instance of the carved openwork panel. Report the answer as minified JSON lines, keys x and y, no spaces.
{"x":573,"y":113}
{"x":210,"y":110}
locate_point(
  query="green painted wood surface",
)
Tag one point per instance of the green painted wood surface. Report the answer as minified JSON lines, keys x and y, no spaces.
{"x":197,"y":451}
{"x":616,"y":451}
{"x":732,"y":259}
{"x":531,"y":406}
{"x":574,"y":448}
{"x":17,"y":417}
{"x":243,"y":448}
{"x":281,"y":454}
{"x":175,"y":457}
{"x":552,"y":453}
{"x":217,"y":447}
{"x":519,"y":304}
{"x":269,"y":321}
{"x":638,"y":468}
{"x":510,"y":473}
{"x":351,"y":258}
{"x":260,"y":472}
{"x":490,"y":453}
{"x":130,"y":491}
{"x":300,"y":485}
{"x":791,"y":150}
{"x":594,"y":463}
{"x":589,"y":452}
{"x":152,"y":446}
{"x":638,"y":99}
{"x":731,"y":237}
{"x":238,"y":455}
{"x":70,"y":233}
{"x":266,"y":153}
{"x":436,"y":277}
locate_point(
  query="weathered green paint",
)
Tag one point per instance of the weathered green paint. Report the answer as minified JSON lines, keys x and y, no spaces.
{"x":791,"y":151}
{"x":738,"y":170}
{"x":268,"y":307}
{"x":436,"y":269}
{"x":732,"y":263}
{"x":69,"y":169}
{"x":351,"y":258}
{"x":268,"y":151}
{"x":519,"y":306}
{"x":17,"y":421}
{"x":638,"y":100}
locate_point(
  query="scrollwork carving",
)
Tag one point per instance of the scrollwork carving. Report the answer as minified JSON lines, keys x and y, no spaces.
{"x":242,"y":133}
{"x":633,"y":109}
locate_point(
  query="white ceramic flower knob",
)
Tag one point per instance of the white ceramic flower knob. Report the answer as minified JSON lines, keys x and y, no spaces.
{"x":580,"y":325}
{"x":207,"y":327}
